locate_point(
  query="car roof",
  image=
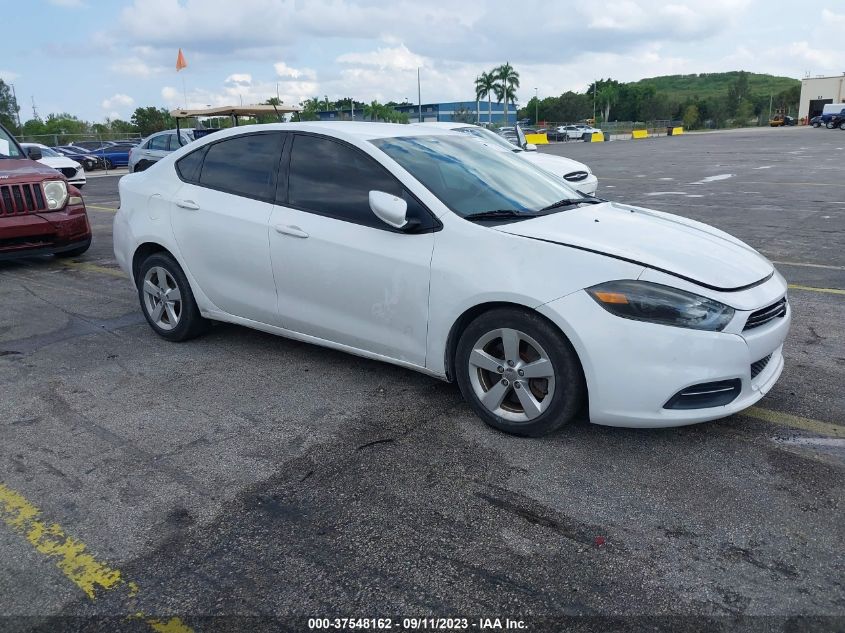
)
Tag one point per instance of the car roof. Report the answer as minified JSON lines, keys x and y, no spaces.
{"x":346,"y":130}
{"x":446,"y":125}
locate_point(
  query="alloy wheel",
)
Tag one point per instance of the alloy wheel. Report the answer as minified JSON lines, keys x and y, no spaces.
{"x":162,"y":298}
{"x":512,"y":375}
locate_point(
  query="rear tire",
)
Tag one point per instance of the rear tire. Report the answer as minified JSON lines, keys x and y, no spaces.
{"x":166,"y":299}
{"x":518,"y":372}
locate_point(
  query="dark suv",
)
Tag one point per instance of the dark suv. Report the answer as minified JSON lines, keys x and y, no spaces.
{"x":40,"y":213}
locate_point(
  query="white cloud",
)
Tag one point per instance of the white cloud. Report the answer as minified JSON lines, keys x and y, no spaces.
{"x":283,"y":70}
{"x":398,"y":58}
{"x":135,"y":67}
{"x":239,"y":79}
{"x":118,"y":100}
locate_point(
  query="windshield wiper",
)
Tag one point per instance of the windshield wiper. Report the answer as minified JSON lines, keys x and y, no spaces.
{"x":501,"y":213}
{"x":571,"y":202}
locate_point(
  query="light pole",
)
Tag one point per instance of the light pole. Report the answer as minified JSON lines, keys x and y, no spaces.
{"x":536,"y":108}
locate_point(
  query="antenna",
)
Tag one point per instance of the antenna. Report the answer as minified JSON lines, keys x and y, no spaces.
{"x":34,"y":109}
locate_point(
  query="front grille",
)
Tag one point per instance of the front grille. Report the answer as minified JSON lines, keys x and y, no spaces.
{"x":69,"y":172}
{"x":575,"y":176}
{"x":759,"y":366}
{"x":21,"y":199}
{"x":764,"y":315}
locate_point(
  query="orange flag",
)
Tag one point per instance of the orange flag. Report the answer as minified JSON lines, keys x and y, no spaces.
{"x":180,"y":61}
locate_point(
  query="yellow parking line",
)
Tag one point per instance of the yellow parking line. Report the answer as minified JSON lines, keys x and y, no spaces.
{"x":827,"y":266}
{"x":833,"y":291}
{"x":92,"y":576}
{"x":94,"y":206}
{"x":94,"y":268}
{"x":796,"y":422}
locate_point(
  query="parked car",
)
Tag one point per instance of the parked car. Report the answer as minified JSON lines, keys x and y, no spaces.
{"x":114,"y":155}
{"x":73,"y":171}
{"x":90,"y":145}
{"x":40,"y":213}
{"x":423,"y":248}
{"x":155,"y":147}
{"x":575,"y":131}
{"x":816,"y":121}
{"x":89,"y":162}
{"x":837,"y":122}
{"x":831,"y":110}
{"x":576,"y":174}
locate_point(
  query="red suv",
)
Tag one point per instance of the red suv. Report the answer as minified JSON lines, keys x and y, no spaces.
{"x":40,"y":213}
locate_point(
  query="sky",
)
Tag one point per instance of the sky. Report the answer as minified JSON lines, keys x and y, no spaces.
{"x":100,"y":59}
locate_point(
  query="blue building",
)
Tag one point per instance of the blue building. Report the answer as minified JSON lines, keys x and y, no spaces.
{"x":464,"y":110}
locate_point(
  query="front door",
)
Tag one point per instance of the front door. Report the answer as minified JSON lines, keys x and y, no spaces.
{"x":342,"y":274}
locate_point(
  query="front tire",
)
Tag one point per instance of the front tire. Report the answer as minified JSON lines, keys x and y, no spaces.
{"x":166,"y":299}
{"x":518,"y":372}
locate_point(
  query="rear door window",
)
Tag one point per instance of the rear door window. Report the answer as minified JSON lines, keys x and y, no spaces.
{"x":246,"y":165}
{"x":159,"y":143}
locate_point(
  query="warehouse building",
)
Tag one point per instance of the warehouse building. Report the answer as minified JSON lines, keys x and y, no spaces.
{"x":816,"y":92}
{"x":460,"y":111}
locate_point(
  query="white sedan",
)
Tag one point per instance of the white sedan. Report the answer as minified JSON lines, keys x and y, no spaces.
{"x":576,"y":131}
{"x":73,"y":171}
{"x":576,"y":174}
{"x":421,"y":247}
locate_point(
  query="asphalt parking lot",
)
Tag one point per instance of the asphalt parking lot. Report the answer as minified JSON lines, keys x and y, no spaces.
{"x":246,"y":482}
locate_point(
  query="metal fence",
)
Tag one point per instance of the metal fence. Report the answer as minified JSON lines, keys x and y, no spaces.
{"x":53,"y":140}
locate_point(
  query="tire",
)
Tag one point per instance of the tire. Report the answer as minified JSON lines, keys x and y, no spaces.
{"x":842,"y":126}
{"x":817,"y":124}
{"x":179,"y":319}
{"x":829,"y":125}
{"x":518,"y":404}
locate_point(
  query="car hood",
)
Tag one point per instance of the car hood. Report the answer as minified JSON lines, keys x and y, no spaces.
{"x":23,"y":170}
{"x":684,"y":248}
{"x":558,"y":165}
{"x":56,"y":162}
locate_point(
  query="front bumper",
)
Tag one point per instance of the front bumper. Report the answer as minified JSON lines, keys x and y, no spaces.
{"x":633,"y":368}
{"x":587,"y":186}
{"x":44,"y":233}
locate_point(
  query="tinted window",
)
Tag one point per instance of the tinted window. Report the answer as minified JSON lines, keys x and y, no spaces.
{"x":159,"y":142}
{"x":333,"y":179}
{"x":188,"y":167}
{"x":244,"y":165}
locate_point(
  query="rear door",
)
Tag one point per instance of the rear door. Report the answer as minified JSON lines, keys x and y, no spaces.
{"x":220,"y":216}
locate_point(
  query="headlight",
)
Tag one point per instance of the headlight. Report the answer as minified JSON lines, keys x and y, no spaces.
{"x":655,"y":303}
{"x":56,"y":193}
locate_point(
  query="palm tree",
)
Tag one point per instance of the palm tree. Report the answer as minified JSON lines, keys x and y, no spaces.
{"x":485,"y":86}
{"x":374,"y":110}
{"x":508,"y":83}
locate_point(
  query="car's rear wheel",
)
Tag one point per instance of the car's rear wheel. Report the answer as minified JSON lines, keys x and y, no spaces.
{"x":829,"y":125}
{"x":817,"y":124}
{"x":167,"y":300}
{"x":518,"y":372}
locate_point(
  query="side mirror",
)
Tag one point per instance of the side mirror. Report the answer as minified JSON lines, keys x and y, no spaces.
{"x":34,"y":153}
{"x":389,"y":209}
{"x":530,"y":147}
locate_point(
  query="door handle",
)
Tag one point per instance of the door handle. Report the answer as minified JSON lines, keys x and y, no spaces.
{"x":188,"y":204}
{"x":287,"y":229}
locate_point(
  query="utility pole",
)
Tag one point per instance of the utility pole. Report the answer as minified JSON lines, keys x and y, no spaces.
{"x":536,"y":108}
{"x":419,"y":94}
{"x":594,"y":102}
{"x":771,"y":96}
{"x":17,"y":110}
{"x":34,"y":109}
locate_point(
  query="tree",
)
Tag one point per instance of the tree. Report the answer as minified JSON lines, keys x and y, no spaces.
{"x":508,"y":82}
{"x":691,"y":117}
{"x":8,"y":107}
{"x":310,"y":108}
{"x":151,"y":119}
{"x":738,"y":92}
{"x":485,"y":86}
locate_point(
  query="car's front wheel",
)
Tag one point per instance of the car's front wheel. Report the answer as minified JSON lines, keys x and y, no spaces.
{"x":518,"y":372}
{"x":167,"y":300}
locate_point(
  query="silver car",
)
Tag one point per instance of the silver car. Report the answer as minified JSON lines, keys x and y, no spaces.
{"x":155,"y":147}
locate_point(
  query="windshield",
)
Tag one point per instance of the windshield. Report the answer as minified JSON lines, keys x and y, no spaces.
{"x":468,"y":178}
{"x":8,"y":147}
{"x":488,"y":137}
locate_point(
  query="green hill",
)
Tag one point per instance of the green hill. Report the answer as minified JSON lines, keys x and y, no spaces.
{"x":702,"y":86}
